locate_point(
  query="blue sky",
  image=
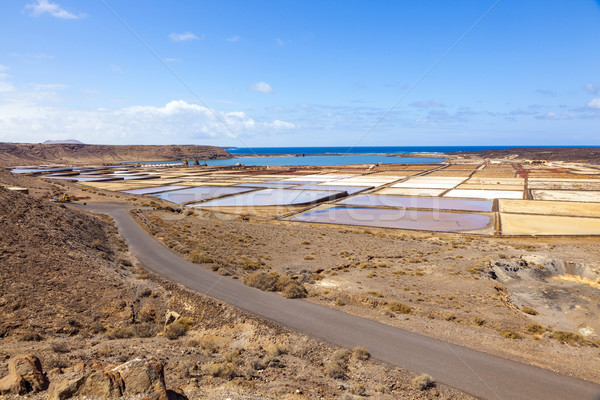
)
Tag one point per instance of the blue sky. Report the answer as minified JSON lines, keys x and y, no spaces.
{"x":301,"y":73}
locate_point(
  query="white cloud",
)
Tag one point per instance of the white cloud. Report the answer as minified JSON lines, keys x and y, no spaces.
{"x":233,"y":39}
{"x":594,"y":103}
{"x":41,"y":7}
{"x":176,"y":122}
{"x":279,"y":42}
{"x":428,"y":103}
{"x":591,"y":87}
{"x":559,"y":116}
{"x":182,"y":37}
{"x":262,"y":87}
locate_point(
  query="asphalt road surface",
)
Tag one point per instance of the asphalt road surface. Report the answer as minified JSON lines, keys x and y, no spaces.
{"x":473,"y":372}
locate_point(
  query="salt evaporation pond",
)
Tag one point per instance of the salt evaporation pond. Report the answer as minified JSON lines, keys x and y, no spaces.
{"x":396,"y":218}
{"x":267,"y":185}
{"x":436,"y":203}
{"x":155,"y":189}
{"x":349,"y":189}
{"x":274,"y":197}
{"x":200,"y":193}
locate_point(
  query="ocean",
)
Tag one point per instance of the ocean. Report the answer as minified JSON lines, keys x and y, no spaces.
{"x":366,"y":149}
{"x":324,"y":156}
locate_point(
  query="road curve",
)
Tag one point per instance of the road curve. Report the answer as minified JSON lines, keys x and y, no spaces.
{"x":471,"y":371}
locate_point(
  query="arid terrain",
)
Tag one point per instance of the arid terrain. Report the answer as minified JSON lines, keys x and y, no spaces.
{"x":72,"y":294}
{"x":80,"y":154}
{"x":589,"y":155}
{"x":459,"y":288}
{"x":523,"y":286}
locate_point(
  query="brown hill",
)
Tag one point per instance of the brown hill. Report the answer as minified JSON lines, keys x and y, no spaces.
{"x":29,"y":153}
{"x":52,"y":259}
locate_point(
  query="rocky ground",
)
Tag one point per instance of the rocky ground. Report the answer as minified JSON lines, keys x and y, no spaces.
{"x":85,"y":154}
{"x":73,"y":298}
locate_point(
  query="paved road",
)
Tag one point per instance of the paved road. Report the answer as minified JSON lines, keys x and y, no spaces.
{"x":474,"y":372}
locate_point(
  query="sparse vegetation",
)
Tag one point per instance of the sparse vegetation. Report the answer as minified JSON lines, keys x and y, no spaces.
{"x":535,"y":328}
{"x":400,"y":308}
{"x":123,"y":332}
{"x":360,"y":353}
{"x":529,"y":310}
{"x":423,"y":382}
{"x":222,"y":370}
{"x":178,"y":328}
{"x":511,"y":334}
{"x":200,"y":258}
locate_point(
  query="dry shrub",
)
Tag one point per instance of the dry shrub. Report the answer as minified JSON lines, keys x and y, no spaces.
{"x":400,"y":308}
{"x":266,"y":281}
{"x":147,"y":314}
{"x":294,"y":290}
{"x":144,"y":330}
{"x":124,"y":332}
{"x":249,"y":265}
{"x":360,"y":353}
{"x":423,"y":382}
{"x":535,"y":328}
{"x":335,"y":370}
{"x":511,"y":334}
{"x":478,"y":321}
{"x":529,"y":310}
{"x":208,"y":344}
{"x":178,"y":328}
{"x":275,"y":349}
{"x":338,"y":366}
{"x":568,"y":337}
{"x":174,"y":331}
{"x":200,"y":258}
{"x":222,"y":370}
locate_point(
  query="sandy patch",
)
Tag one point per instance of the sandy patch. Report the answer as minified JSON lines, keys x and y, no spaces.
{"x":521,"y":224}
{"x":550,"y":208}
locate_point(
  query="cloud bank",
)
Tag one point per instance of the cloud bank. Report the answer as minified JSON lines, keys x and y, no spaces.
{"x":176,"y":122}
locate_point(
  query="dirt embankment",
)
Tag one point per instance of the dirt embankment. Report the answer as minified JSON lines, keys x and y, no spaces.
{"x":568,"y":154}
{"x":28,"y":153}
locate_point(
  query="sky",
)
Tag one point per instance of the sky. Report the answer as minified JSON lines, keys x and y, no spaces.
{"x":301,"y":73}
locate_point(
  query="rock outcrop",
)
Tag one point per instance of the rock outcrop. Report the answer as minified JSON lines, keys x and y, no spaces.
{"x":140,"y":376}
{"x":25,"y":375}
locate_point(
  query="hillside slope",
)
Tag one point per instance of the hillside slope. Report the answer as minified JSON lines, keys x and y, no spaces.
{"x":29,"y":153}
